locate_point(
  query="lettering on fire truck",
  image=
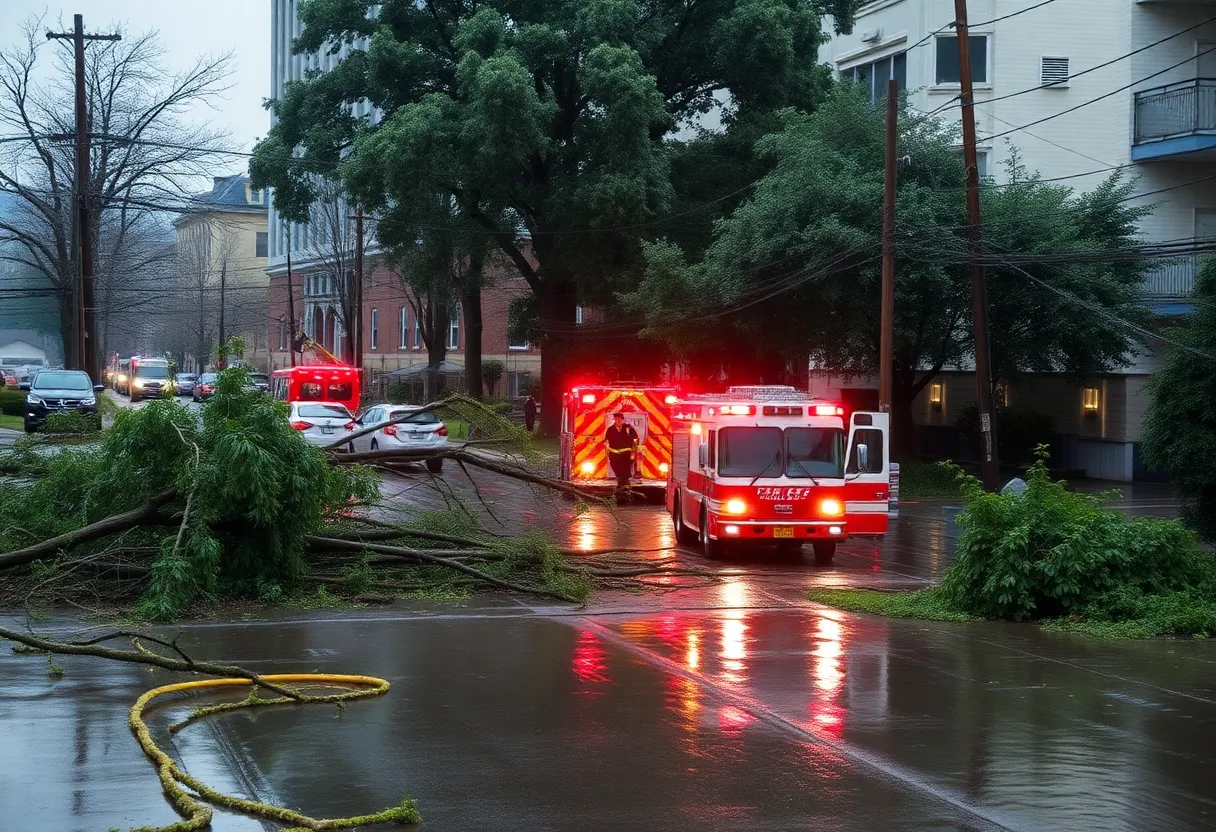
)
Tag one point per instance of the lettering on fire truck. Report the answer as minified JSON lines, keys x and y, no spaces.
{"x":783,"y":495}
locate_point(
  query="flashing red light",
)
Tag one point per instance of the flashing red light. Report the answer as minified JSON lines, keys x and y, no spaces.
{"x":443,"y":430}
{"x":828,"y":410}
{"x":670,"y":400}
{"x":589,"y":398}
{"x":737,"y":410}
{"x":301,"y":425}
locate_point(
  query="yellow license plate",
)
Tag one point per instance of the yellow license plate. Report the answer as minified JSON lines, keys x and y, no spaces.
{"x":783,"y":531}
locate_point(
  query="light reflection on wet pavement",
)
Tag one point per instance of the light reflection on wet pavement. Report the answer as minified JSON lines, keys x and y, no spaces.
{"x":731,"y":704}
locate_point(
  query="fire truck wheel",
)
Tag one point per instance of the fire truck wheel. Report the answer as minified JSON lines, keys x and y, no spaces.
{"x":434,"y":465}
{"x":684,"y":535}
{"x":713,"y":549}
{"x":825,"y":550}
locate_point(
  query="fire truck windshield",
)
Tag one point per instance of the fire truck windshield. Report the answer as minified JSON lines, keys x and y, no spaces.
{"x":153,"y":371}
{"x":749,"y":452}
{"x":801,"y":453}
{"x":814,"y":452}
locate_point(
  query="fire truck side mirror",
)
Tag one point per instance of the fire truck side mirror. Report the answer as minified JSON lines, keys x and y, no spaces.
{"x":703,"y":455}
{"x":863,"y":459}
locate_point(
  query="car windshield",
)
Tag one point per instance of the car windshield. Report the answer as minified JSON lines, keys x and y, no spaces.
{"x":185,"y":377}
{"x":323,"y":411}
{"x":62,"y":381}
{"x":153,"y":371}
{"x":427,"y":418}
{"x":749,"y":452}
{"x":259,"y":378}
{"x":207,"y":378}
{"x":814,"y":452}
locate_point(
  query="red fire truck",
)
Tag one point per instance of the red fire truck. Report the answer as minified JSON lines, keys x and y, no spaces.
{"x":586,"y":414}
{"x":773,"y":464}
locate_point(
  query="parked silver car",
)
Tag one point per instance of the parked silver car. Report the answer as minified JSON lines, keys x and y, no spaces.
{"x":185,"y":383}
{"x":419,"y":431}
{"x":321,"y":423}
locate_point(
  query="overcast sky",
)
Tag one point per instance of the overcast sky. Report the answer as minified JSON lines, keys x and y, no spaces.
{"x":188,"y":29}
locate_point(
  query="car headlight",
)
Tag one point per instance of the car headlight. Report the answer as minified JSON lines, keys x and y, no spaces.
{"x":138,"y":383}
{"x":88,"y":402}
{"x":32,"y":399}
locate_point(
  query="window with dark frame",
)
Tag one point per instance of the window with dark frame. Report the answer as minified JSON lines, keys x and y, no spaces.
{"x":261,"y":244}
{"x":873,"y":77}
{"x":375,"y":333}
{"x":949,"y":67}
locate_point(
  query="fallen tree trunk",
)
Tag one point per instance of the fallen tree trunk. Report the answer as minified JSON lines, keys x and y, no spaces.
{"x":147,"y":514}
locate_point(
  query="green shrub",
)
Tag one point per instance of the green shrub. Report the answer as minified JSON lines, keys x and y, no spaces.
{"x":1053,"y":552}
{"x":1018,"y":432}
{"x":12,"y":402}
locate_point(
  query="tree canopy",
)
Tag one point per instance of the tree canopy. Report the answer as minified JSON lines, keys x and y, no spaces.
{"x":1179,"y":433}
{"x":795,"y":271}
{"x":543,"y":121}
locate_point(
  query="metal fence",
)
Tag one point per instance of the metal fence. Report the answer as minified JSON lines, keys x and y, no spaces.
{"x":1172,"y":278}
{"x":1175,"y":110}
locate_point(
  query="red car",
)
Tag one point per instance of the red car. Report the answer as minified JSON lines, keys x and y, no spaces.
{"x":204,"y":387}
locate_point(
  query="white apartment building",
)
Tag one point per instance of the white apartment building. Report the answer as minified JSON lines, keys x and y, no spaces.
{"x":1153,"y":112}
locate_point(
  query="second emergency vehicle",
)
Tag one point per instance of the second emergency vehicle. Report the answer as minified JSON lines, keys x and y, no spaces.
{"x":773,"y":464}
{"x":586,"y":414}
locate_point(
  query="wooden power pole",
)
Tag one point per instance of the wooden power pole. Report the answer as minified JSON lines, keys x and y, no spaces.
{"x":886,"y":349}
{"x":989,"y":462}
{"x":87,"y":355}
{"x":291,"y":305}
{"x":358,"y":339}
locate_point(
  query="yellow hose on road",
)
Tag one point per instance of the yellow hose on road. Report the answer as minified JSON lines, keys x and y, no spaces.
{"x":174,"y":782}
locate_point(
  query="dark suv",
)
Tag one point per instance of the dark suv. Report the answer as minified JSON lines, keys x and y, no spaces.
{"x":58,"y":391}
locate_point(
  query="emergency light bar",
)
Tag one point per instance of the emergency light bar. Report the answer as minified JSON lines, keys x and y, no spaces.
{"x":770,"y":410}
{"x":828,"y":410}
{"x":737,"y":410}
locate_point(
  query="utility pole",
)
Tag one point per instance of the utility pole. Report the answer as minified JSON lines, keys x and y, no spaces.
{"x":86,"y":308}
{"x":886,"y":347}
{"x":223,"y":286}
{"x":358,"y":334}
{"x":291,"y":305}
{"x":989,"y":462}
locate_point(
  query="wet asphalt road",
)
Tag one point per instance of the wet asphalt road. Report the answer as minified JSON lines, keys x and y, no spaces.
{"x":730,"y":705}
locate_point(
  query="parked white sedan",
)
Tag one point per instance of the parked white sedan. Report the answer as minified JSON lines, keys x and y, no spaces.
{"x":321,"y":423}
{"x":419,"y":431}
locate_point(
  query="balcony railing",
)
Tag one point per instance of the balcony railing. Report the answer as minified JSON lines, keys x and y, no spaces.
{"x":1171,"y":279}
{"x":1181,"y":109}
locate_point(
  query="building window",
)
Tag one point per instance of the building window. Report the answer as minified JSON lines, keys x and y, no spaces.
{"x":405,"y":328}
{"x":983,"y":161}
{"x":873,"y":77}
{"x":949,"y":66}
{"x":375,"y":329}
{"x":259,"y":249}
{"x":1000,"y":394}
{"x":454,"y":329}
{"x":518,"y":345}
{"x":417,"y":333}
{"x":1091,"y":400}
{"x":578,"y":315}
{"x":282,"y":335}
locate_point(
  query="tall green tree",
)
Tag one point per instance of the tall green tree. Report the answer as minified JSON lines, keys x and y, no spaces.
{"x":1179,"y":434}
{"x":544,"y":120}
{"x":795,"y":272}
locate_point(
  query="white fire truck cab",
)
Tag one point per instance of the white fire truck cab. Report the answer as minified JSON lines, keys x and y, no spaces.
{"x":771,"y":464}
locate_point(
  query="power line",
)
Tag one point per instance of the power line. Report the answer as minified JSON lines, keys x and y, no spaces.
{"x":1012,"y":14}
{"x":1105,"y":95}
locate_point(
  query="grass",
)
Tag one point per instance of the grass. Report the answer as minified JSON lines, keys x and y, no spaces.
{"x":926,"y":604}
{"x":11,"y":422}
{"x":926,"y":481}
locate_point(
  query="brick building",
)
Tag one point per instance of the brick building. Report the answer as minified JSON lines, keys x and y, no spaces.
{"x":392,"y":338}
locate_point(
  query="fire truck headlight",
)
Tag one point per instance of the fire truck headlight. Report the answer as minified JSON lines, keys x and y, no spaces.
{"x":835,"y":530}
{"x":830,"y":508}
{"x":138,"y":383}
{"x":122,"y":377}
{"x":587,"y":467}
{"x":663,"y":469}
{"x":731,"y":529}
{"x":735,"y":506}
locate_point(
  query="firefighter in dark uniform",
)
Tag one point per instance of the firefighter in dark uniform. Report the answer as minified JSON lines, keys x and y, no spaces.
{"x":622,"y":442}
